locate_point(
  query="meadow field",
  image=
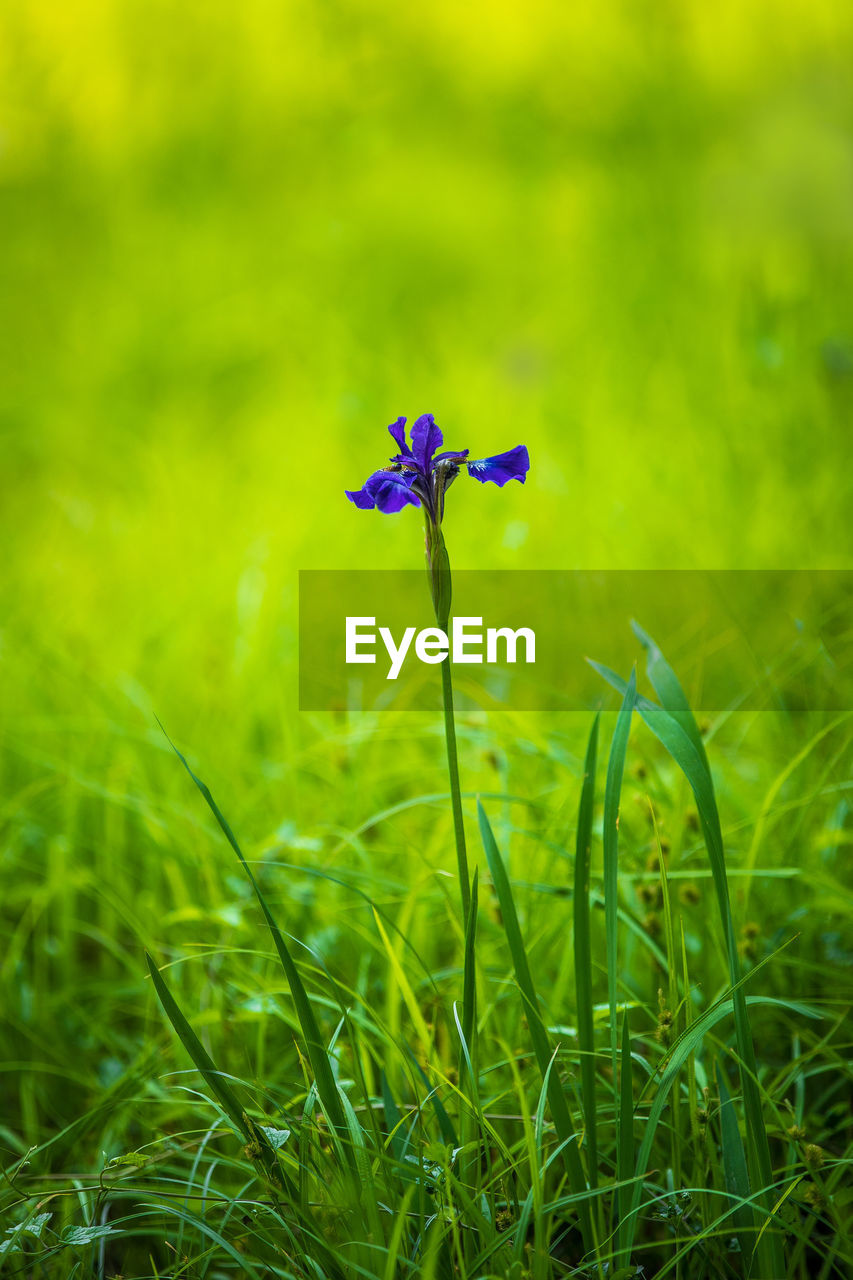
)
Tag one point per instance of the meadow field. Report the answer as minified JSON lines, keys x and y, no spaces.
{"x":237,"y":242}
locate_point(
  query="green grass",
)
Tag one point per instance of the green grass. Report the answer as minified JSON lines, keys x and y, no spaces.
{"x":237,"y":242}
{"x":395,"y":1093}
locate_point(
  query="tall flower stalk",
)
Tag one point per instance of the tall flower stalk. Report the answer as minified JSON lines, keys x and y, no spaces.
{"x":441,"y":589}
{"x":418,"y":475}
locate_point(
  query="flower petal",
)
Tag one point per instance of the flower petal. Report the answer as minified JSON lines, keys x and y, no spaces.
{"x":398,"y":431}
{"x":361,"y":498}
{"x":381,"y":483}
{"x":391,"y":491}
{"x":426,"y":438}
{"x":512,"y":465}
{"x":388,"y":491}
{"x":456,"y":455}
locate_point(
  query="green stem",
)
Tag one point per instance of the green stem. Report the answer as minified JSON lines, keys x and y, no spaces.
{"x":438,"y":574}
{"x":455,"y":793}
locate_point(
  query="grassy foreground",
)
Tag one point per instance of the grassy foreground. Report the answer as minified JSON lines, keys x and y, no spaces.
{"x":634,"y":1053}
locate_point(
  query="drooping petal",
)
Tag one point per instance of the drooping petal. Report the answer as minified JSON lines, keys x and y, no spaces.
{"x":398,"y":431}
{"x":426,"y":438}
{"x":388,"y":491}
{"x":361,"y":498}
{"x":512,"y":465}
{"x":392,"y":491}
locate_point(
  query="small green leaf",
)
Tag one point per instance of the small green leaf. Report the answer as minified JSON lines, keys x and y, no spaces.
{"x":86,"y":1235}
{"x":134,"y":1158}
{"x":36,"y":1225}
{"x":276,"y":1137}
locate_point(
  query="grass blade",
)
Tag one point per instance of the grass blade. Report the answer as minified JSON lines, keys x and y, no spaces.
{"x":734,"y":1167}
{"x":674,"y":726}
{"x":252,"y":1134}
{"x":393,"y":1120}
{"x":327,"y":1088}
{"x":560,"y":1112}
{"x":686,"y":1044}
{"x":468,"y":1057}
{"x":625,"y":1147}
{"x":583,"y":954}
{"x":409,"y":998}
{"x":469,"y":975}
{"x":612,"y":797}
{"x":668,"y":688}
{"x":445,"y":1124}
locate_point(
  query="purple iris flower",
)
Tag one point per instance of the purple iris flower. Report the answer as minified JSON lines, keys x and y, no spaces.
{"x":420,"y":476}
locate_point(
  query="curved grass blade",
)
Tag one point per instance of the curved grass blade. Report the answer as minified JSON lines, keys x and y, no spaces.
{"x":560,"y":1112}
{"x":715,"y":1228}
{"x":679,"y":734}
{"x":195,"y":1222}
{"x":668,"y":688}
{"x":445,"y":1124}
{"x":252,"y":1134}
{"x":367,"y":1188}
{"x":393,"y":1120}
{"x":583,"y":954}
{"x":327,"y":1088}
{"x":687,"y":1043}
{"x":409,"y":998}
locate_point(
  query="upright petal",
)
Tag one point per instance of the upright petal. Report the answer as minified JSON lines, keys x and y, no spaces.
{"x":398,"y":431}
{"x":512,"y":465}
{"x":426,"y":438}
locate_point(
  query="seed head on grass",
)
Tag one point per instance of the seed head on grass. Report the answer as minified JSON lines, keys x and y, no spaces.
{"x":650,"y":894}
{"x":814,"y":1197}
{"x":666,"y":1020}
{"x":814,"y":1156}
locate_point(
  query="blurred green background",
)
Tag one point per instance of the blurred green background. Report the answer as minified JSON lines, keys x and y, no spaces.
{"x":238,"y":240}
